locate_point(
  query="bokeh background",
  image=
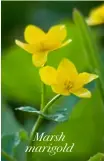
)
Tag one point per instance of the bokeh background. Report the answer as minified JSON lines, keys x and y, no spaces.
{"x":21,"y":82}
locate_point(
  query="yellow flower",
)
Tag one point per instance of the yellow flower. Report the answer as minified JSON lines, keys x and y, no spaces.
{"x":39,"y":43}
{"x":96,"y":16}
{"x":66,"y":80}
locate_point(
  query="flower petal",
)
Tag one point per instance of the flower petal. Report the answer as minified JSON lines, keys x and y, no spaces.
{"x":83,"y":93}
{"x":96,"y":16}
{"x":39,"y":59}
{"x":59,"y":89}
{"x":84,"y":78}
{"x":48,"y":75}
{"x":50,"y":45}
{"x":29,"y":48}
{"x":66,"y":71}
{"x":33,"y":34}
{"x":57,"y":32}
{"x":66,"y":43}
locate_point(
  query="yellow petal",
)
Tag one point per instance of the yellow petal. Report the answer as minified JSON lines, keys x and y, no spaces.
{"x":57,"y":32}
{"x":39,"y":59}
{"x":48,"y":75}
{"x":66,"y":43}
{"x":29,"y":48}
{"x":66,"y":71}
{"x":96,"y":16}
{"x":59,"y":89}
{"x":50,"y":45}
{"x":83,"y":93}
{"x":90,"y":21}
{"x":84,"y":78}
{"x":33,"y":34}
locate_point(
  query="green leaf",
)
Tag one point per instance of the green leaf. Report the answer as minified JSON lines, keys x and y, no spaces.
{"x":15,"y":144}
{"x":97,"y":157}
{"x":59,"y":116}
{"x":8,"y":143}
{"x":89,"y":48}
{"x":21,"y":140}
{"x":19,"y":151}
{"x":8,"y":122}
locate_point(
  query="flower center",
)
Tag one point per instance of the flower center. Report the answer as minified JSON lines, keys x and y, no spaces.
{"x":46,"y":45}
{"x":68,"y":85}
{"x":43,"y":46}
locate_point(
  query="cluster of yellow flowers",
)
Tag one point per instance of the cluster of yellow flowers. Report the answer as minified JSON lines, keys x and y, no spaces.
{"x":65,"y":80}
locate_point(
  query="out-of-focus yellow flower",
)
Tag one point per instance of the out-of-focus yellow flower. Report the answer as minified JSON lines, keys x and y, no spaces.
{"x":96,"y":16}
{"x":40,"y":43}
{"x":66,"y":80}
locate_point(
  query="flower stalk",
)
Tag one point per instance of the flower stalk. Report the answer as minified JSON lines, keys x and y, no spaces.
{"x":44,"y":108}
{"x":40,"y":118}
{"x":42,"y":95}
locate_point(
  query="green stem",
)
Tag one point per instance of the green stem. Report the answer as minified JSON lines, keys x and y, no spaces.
{"x":40,"y":118}
{"x":42,"y":96}
{"x":6,"y":156}
{"x":50,"y":103}
{"x":38,"y":122}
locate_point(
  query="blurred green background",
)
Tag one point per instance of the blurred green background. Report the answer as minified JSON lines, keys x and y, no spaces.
{"x":21,"y":82}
